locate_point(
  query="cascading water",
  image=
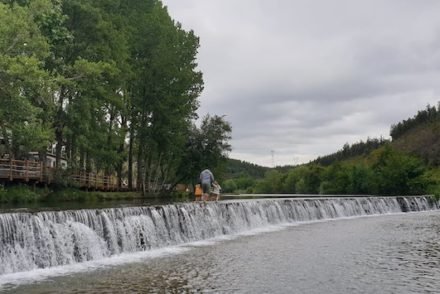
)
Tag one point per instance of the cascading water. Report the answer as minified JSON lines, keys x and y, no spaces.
{"x":45,"y":239}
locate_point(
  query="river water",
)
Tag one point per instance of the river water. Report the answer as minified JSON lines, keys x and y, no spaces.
{"x":397,"y":253}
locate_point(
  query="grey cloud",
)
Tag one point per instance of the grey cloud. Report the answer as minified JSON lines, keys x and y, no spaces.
{"x":304,"y":77}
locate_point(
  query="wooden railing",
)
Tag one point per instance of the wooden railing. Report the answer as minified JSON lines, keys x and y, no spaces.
{"x":95,"y":181}
{"x":21,"y":170}
{"x":28,"y":170}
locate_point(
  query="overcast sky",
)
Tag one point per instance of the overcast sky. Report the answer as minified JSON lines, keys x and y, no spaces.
{"x":302,"y":78}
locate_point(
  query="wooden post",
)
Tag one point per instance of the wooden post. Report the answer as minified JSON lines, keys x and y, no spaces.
{"x":41,"y":172}
{"x":26,"y":171}
{"x":10,"y":169}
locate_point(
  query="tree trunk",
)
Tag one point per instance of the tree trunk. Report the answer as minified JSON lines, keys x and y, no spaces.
{"x":59,"y":146}
{"x":130,"y":156}
{"x":140,"y":182}
{"x":121,"y":149}
{"x":108,"y":169}
{"x":157,"y":187}
{"x":59,"y":128}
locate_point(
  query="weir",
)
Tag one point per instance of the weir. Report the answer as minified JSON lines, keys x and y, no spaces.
{"x":53,"y":238}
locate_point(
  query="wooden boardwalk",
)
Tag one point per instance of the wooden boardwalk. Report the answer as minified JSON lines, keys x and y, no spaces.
{"x":21,"y":170}
{"x":33,"y":171}
{"x":96,"y":182}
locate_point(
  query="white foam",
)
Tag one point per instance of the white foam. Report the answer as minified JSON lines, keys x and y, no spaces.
{"x":20,"y":278}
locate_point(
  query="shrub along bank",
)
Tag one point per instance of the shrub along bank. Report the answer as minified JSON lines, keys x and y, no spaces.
{"x":27,"y":194}
{"x":385,"y":171}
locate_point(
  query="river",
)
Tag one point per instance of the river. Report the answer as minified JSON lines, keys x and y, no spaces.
{"x":393,"y":253}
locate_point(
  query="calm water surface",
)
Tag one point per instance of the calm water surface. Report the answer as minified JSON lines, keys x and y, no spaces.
{"x":383,"y":254}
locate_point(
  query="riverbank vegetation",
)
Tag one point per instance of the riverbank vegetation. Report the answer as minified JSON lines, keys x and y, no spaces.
{"x":24,"y":194}
{"x":112,"y":86}
{"x":409,"y":164}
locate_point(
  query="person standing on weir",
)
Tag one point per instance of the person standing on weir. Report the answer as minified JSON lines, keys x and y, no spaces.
{"x":206,"y":179}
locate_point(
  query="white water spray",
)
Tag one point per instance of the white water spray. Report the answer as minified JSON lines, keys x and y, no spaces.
{"x":46,"y":239}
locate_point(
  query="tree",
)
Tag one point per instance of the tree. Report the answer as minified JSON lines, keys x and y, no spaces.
{"x":362,"y":180}
{"x":207,"y":147}
{"x":397,"y":173}
{"x":106,"y":81}
{"x":24,"y":83}
{"x":163,"y":94}
{"x":335,"y":179}
{"x":271,"y":184}
{"x":310,"y":179}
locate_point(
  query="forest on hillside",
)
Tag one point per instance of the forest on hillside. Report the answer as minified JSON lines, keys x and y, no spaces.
{"x":406,"y":165}
{"x":427,"y":115}
{"x":350,"y":151}
{"x":236,"y":168}
{"x":112,"y":85}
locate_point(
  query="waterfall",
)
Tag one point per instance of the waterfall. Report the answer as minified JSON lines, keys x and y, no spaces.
{"x":53,"y":238}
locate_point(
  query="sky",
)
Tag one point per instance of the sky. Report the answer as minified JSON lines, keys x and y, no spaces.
{"x":299,"y":79}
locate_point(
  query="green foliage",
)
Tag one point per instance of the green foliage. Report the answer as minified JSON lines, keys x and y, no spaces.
{"x":432,"y":178}
{"x":386,"y":172}
{"x":18,"y":194}
{"x":243,"y":184}
{"x":310,"y":179}
{"x":430,"y":114}
{"x":335,"y":180}
{"x":206,"y":147}
{"x":397,"y":173}
{"x":71,"y":194}
{"x":435,"y":191}
{"x":351,"y":151}
{"x":112,"y":84}
{"x":229,"y":186}
{"x":24,"y":83}
{"x":271,"y":184}
{"x":362,"y":180}
{"x":237,"y":168}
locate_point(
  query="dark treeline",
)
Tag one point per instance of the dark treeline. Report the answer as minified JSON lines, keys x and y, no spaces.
{"x":112,"y":85}
{"x":385,"y":172}
{"x":430,"y":114}
{"x":241,"y":176}
{"x":349,"y":151}
{"x":237,"y":168}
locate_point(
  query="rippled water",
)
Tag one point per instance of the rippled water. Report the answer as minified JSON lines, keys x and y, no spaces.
{"x":383,"y":254}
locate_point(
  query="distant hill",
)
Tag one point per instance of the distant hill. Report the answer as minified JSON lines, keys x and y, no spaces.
{"x":409,"y":164}
{"x":429,"y":115}
{"x":423,"y":141}
{"x":418,"y":135}
{"x":238,"y":168}
{"x":351,"y":151}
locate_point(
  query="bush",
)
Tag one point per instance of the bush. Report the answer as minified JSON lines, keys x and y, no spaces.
{"x":72,"y":194}
{"x":19,"y":194}
{"x":435,"y":191}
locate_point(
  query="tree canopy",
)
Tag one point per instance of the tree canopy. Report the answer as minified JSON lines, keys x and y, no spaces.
{"x":113,"y":86}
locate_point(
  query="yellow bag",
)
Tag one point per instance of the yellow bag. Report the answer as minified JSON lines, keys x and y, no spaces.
{"x":198,"y":191}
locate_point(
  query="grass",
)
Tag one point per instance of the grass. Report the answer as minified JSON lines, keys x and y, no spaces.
{"x":20,"y":194}
{"x":28,"y":194}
